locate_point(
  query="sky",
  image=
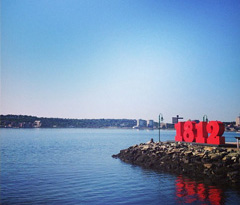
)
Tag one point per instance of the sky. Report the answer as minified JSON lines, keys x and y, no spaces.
{"x":121,"y":59}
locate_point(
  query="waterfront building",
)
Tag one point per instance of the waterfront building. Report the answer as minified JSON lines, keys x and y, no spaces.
{"x":175,"y":119}
{"x":37,"y":124}
{"x":150,"y":123}
{"x":141,"y":123}
{"x":238,"y":121}
{"x":169,"y":125}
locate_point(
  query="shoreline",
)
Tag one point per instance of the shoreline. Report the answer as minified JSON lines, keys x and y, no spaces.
{"x":124,"y":128}
{"x":218,"y":165}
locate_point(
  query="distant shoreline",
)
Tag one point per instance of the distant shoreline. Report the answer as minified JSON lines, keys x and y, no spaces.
{"x":25,"y":121}
{"x":113,"y":128}
{"x":124,"y":128}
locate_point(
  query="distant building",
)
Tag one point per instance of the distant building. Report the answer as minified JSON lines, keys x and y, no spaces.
{"x":169,"y":125}
{"x":150,"y":123}
{"x":175,"y":119}
{"x":37,"y":123}
{"x":238,"y":121}
{"x":141,"y":123}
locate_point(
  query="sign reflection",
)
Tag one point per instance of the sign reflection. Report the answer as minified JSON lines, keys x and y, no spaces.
{"x":188,"y":191}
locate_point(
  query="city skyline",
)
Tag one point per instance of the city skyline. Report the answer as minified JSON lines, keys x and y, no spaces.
{"x":121,"y":59}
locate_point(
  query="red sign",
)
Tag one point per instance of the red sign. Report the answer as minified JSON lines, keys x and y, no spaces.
{"x":190,"y":131}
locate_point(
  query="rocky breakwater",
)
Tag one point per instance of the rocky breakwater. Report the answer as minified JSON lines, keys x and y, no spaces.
{"x":214,"y":164}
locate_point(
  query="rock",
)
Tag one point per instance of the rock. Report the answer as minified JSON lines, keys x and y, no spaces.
{"x":236,"y":166}
{"x":188,"y":153}
{"x":208,"y":148}
{"x":233,"y":154}
{"x":115,"y":156}
{"x":234,"y":159}
{"x":226,"y":158}
{"x":145,"y":147}
{"x":165,"y":158}
{"x":186,"y":161}
{"x":214,"y":156}
{"x":200,"y":154}
{"x":208,"y":166}
{"x":231,"y":174}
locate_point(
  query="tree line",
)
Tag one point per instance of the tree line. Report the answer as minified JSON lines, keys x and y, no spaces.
{"x":25,"y":121}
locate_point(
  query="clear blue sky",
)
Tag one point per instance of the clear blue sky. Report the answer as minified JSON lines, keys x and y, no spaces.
{"x":121,"y":59}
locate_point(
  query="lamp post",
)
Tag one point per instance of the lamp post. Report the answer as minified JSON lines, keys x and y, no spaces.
{"x":205,"y":118}
{"x":159,"y":124}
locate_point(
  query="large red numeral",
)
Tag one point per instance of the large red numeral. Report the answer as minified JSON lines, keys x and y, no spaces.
{"x":216,"y":129}
{"x":179,"y":131}
{"x":189,"y":133}
{"x":202,"y":134}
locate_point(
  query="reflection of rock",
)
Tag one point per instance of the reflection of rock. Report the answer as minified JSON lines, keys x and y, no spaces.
{"x":214,"y":163}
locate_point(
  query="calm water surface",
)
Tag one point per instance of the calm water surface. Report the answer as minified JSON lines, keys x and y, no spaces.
{"x":74,"y":166}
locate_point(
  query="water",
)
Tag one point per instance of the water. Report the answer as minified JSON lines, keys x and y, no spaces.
{"x":74,"y":166}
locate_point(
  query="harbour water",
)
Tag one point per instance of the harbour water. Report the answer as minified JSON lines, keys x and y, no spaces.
{"x":74,"y":166}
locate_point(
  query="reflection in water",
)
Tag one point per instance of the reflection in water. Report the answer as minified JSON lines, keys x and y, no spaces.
{"x":188,"y":191}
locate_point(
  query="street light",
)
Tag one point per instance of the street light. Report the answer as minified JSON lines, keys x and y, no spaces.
{"x":159,"y":124}
{"x":205,"y":118}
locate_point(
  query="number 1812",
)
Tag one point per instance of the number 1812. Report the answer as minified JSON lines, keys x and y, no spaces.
{"x":191,"y":131}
